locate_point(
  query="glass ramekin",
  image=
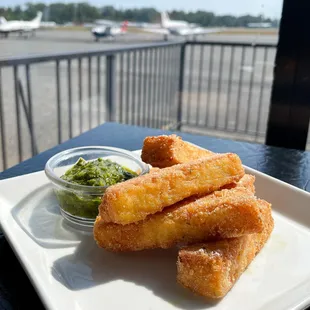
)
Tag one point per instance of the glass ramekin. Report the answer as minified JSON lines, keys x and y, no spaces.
{"x":79,"y":203}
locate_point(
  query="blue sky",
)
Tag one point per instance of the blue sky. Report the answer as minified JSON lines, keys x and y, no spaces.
{"x":270,"y":8}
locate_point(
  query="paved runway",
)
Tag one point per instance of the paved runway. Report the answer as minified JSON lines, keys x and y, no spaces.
{"x":224,"y":88}
{"x":62,"y":41}
{"x":47,"y":41}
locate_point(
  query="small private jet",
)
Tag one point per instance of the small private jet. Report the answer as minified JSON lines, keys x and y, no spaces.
{"x":179,"y":27}
{"x":20,"y":26}
{"x":109,"y":29}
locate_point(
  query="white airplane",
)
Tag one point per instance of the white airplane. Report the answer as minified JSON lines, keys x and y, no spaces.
{"x":180,"y":27}
{"x":20,"y":26}
{"x":108,"y":29}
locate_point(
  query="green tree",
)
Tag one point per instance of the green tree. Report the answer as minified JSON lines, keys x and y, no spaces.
{"x":32,"y":9}
{"x":61,"y":13}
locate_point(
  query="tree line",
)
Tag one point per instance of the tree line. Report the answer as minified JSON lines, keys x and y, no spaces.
{"x":80,"y":13}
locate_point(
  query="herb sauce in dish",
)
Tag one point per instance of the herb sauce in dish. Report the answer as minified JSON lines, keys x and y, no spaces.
{"x":99,"y":172}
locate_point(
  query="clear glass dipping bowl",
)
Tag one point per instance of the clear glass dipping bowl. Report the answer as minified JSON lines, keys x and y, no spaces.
{"x":74,"y":198}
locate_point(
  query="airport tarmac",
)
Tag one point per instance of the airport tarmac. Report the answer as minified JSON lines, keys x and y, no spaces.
{"x":225,"y":88}
{"x":62,"y":41}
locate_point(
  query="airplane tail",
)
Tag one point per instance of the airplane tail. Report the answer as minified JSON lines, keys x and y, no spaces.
{"x":38,"y":18}
{"x":2,"y":20}
{"x":164,"y":18}
{"x":124,"y":26}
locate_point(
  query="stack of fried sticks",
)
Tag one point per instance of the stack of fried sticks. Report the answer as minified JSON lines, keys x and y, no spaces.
{"x":196,"y":199}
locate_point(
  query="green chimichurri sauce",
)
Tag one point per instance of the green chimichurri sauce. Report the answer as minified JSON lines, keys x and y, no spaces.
{"x":99,"y":172}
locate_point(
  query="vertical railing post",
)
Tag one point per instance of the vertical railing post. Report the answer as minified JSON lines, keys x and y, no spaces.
{"x":110,"y":87}
{"x":90,"y":100}
{"x":181,"y":86}
{"x":2,"y":126}
{"x":70,"y":99}
{"x":59,"y":120}
{"x":34,"y":148}
{"x":28,"y":112}
{"x":18,"y":116}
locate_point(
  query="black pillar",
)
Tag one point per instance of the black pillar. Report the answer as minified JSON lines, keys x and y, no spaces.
{"x":290,"y":99}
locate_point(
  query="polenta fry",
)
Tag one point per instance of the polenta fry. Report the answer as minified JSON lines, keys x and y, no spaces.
{"x":222,"y":214}
{"x":247,"y":181}
{"x":135,"y":199}
{"x":166,"y":151}
{"x":211,"y":269}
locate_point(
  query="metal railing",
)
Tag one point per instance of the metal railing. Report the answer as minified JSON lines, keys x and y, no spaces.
{"x":227,"y":88}
{"x":46,"y":100}
{"x":193,"y":86}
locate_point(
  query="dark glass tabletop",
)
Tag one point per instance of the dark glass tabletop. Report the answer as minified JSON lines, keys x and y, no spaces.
{"x":291,"y":166}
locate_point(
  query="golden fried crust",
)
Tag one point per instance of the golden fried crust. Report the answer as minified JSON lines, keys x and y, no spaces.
{"x":135,"y":199}
{"x":211,"y":269}
{"x":222,"y":214}
{"x":166,"y":151}
{"x":247,"y":181}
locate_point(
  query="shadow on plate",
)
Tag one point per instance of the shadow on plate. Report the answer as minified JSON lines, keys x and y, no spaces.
{"x":155,"y":270}
{"x":39,"y":216}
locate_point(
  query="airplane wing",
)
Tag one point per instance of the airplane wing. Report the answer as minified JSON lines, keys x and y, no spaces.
{"x":183,"y":31}
{"x":156,"y":30}
{"x":201,"y":30}
{"x":106,"y":22}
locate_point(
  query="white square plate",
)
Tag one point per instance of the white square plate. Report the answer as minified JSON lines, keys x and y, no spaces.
{"x":70,"y":272}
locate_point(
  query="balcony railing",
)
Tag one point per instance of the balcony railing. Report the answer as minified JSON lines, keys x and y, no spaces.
{"x":227,"y":88}
{"x":209,"y":87}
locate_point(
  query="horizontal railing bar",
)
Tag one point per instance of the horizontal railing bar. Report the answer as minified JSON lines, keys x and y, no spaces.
{"x":223,"y":129}
{"x":240,"y":44}
{"x":52,"y":57}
